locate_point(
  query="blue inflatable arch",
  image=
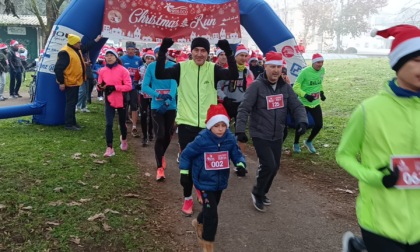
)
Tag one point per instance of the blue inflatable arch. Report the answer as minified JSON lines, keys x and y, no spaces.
{"x":85,"y":18}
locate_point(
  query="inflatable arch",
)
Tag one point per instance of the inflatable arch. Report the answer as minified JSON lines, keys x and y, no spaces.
{"x":85,"y":19}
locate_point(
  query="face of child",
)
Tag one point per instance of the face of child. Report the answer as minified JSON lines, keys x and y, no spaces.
{"x":409,"y":75}
{"x":219,"y":129}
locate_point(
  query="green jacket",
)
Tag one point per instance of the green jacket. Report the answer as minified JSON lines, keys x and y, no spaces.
{"x":309,"y":82}
{"x":196,"y":93}
{"x":380,"y":127}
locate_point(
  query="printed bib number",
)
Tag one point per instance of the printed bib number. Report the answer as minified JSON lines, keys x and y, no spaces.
{"x":132,"y":71}
{"x":216,"y":160}
{"x":162,"y":91}
{"x":315,"y":95}
{"x":409,"y":167}
{"x":275,"y":101}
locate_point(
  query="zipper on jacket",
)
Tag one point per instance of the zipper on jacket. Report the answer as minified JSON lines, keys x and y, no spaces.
{"x":198,"y":96}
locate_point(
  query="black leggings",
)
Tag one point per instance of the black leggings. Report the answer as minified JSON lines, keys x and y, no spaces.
{"x":146,"y":117}
{"x":187,"y":134}
{"x":208,"y":215}
{"x":318,"y":123}
{"x":109,"y":116}
{"x":377,"y":243}
{"x":162,"y":124}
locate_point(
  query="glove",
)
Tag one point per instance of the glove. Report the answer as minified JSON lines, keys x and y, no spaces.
{"x":166,"y":44}
{"x":137,"y":86}
{"x":323,"y":98}
{"x":241,"y":137}
{"x":310,"y":98}
{"x":164,"y":97}
{"x":390,"y":180}
{"x":241,"y":172}
{"x":101,"y":86}
{"x":301,"y":128}
{"x":185,"y":180}
{"x":224,"y":45}
{"x":162,"y":109}
{"x":109,"y":89}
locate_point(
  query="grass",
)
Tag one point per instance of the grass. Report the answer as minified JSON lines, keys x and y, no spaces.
{"x":48,"y":193}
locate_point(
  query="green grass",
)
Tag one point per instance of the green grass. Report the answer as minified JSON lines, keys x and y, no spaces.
{"x":346,"y":84}
{"x":36,"y":159}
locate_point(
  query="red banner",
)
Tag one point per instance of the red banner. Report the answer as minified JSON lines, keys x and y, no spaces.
{"x":152,"y":20}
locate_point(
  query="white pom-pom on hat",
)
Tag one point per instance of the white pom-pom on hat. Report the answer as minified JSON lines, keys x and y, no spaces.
{"x":374,"y":32}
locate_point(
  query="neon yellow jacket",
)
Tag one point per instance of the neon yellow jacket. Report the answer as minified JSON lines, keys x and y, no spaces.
{"x":196,"y":93}
{"x":309,"y":82}
{"x":382,"y":126}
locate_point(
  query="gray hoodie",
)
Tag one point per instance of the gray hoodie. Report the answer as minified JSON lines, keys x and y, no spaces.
{"x":266,"y":123}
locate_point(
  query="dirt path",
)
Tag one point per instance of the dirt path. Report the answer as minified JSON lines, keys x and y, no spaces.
{"x":308,"y":212}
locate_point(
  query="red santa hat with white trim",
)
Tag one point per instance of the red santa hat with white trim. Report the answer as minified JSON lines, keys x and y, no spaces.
{"x":252,"y":57}
{"x":241,"y":49}
{"x":219,"y":51}
{"x":316,"y":57}
{"x":3,"y":46}
{"x":215,"y":114}
{"x":13,"y":42}
{"x":406,"y":44}
{"x":274,"y":58}
{"x":150,"y":53}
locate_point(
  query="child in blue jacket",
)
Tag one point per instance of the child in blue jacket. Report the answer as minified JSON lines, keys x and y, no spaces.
{"x":208,"y":158}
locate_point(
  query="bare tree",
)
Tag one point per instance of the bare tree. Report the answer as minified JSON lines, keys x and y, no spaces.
{"x":9,"y":7}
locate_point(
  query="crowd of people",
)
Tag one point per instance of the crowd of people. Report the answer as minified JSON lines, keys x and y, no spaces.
{"x":216,"y":102}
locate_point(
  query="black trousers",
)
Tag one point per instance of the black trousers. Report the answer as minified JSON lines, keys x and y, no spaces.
{"x":208,"y":215}
{"x":15,"y":82}
{"x":187,"y":134}
{"x":72,"y":95}
{"x":318,"y":123}
{"x":377,"y":243}
{"x":269,"y":153}
{"x":109,"y":117}
{"x":146,"y":117}
{"x":162,"y":125}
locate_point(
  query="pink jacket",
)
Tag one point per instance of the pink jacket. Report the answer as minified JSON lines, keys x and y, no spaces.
{"x":119,"y":77}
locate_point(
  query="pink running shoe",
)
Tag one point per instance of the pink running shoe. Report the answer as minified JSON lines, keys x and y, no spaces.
{"x":109,"y":152}
{"x":199,"y":197}
{"x":160,"y":175}
{"x":187,"y":208}
{"x":124,"y":144}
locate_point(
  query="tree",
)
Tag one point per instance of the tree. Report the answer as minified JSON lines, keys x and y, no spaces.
{"x":316,"y":16}
{"x":9,"y":8}
{"x":52,"y":9}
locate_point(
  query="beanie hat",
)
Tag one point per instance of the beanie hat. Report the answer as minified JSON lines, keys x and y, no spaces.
{"x":111,"y":51}
{"x":216,"y":113}
{"x":73,"y":39}
{"x":3,"y":46}
{"x":405,"y":46}
{"x":317,"y":58}
{"x":273,"y":58}
{"x":253,"y":57}
{"x":200,"y":42}
{"x":13,"y":42}
{"x":241,"y":49}
{"x":130,"y":44}
{"x":156,"y":49}
{"x":219,"y":51}
{"x":150,"y":53}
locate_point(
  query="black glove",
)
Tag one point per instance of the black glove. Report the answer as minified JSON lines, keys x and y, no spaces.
{"x":166,"y":44}
{"x":185,"y":180}
{"x":241,"y":137}
{"x":137,"y":86}
{"x":323,"y":98}
{"x":310,"y":98}
{"x":301,"y":128}
{"x":390,"y":180}
{"x":241,"y":172}
{"x":109,"y":89}
{"x":224,"y":45}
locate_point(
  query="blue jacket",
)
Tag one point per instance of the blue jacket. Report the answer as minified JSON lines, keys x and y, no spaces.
{"x":192,"y":158}
{"x":151,"y":84}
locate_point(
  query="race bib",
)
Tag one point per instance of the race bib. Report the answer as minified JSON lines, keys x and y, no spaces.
{"x":315,"y":95}
{"x":274,"y":101}
{"x":409,"y":167}
{"x":146,"y":96}
{"x":132,"y":71}
{"x":216,"y":160}
{"x":162,"y":91}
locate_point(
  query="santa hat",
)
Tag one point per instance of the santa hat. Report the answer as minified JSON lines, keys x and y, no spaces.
{"x":317,"y":58}
{"x":182,"y":57}
{"x":119,"y":49}
{"x":260,"y":57}
{"x":13,"y":42}
{"x":101,"y":57}
{"x":3,"y":46}
{"x":171,"y":55}
{"x":253,"y":57}
{"x":406,"y":44}
{"x":219,"y":51}
{"x":216,"y":113}
{"x":241,"y":49}
{"x":41,"y":52}
{"x":150,"y":53}
{"x":273,"y":58}
{"x":112,"y":51}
